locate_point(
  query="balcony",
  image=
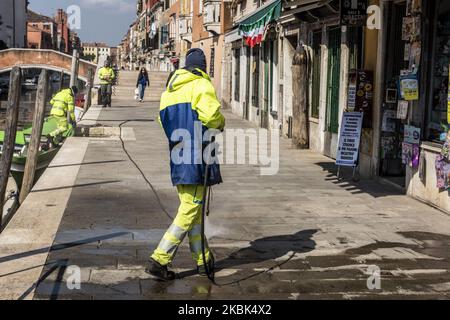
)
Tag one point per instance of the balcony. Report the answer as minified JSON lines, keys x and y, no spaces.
{"x":186,"y":27}
{"x":211,"y":16}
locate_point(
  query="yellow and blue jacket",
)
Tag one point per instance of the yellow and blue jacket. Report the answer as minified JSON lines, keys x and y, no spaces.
{"x":190,"y":104}
{"x":63,"y":103}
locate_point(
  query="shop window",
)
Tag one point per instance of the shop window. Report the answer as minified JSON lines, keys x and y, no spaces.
{"x":237,"y":63}
{"x":315,"y":99}
{"x":211,"y":63}
{"x":255,"y":77}
{"x":438,"y":113}
{"x":334,"y":71}
{"x":355,"y":45}
{"x":392,"y":128}
{"x":273,"y":49}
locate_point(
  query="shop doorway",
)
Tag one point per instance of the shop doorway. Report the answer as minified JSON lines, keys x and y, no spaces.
{"x":392,"y":129}
{"x":247,"y":84}
{"x":264,"y":111}
{"x":333,"y":85}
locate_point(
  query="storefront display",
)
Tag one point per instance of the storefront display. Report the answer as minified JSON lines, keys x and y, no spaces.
{"x":439,"y":114}
{"x":411,"y":146}
{"x":409,"y":87}
{"x":360,"y":94}
{"x":443,"y":165}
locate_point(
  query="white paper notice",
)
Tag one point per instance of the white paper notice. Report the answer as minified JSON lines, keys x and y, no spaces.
{"x":349,"y":139}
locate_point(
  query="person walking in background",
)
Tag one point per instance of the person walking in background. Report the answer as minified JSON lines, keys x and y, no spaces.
{"x":107,"y":76}
{"x":142,"y":83}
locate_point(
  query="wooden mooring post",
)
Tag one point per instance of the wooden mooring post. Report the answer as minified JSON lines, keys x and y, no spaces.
{"x":300,"y":126}
{"x":61,"y":80}
{"x":74,"y":69}
{"x":33,"y":146}
{"x":12,"y":117}
{"x":90,"y":84}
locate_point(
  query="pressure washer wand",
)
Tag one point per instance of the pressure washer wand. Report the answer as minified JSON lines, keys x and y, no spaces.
{"x":205,"y":213}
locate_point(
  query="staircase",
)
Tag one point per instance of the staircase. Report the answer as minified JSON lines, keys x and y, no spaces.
{"x":127,"y":84}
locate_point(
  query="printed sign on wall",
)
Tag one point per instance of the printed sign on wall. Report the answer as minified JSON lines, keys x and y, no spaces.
{"x":409,"y":87}
{"x":353,"y":12}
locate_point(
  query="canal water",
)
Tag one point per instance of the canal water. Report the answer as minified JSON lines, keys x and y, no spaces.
{"x":28,"y":94}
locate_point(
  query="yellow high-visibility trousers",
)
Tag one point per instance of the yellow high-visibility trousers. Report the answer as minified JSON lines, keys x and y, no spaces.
{"x":63,"y":126}
{"x":187,"y":222}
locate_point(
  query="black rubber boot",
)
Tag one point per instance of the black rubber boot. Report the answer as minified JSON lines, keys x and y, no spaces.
{"x":202,"y":270}
{"x":159,"y":272}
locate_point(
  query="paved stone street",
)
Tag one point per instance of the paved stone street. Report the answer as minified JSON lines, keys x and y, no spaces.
{"x":300,"y":234}
{"x":322,"y":234}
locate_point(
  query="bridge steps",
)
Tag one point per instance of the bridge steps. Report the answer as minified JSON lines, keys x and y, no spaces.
{"x":127,"y":85}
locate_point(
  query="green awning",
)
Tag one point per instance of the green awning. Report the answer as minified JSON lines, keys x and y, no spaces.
{"x":263,"y":16}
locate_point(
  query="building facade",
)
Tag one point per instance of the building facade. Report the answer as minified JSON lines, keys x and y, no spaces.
{"x":405,"y":77}
{"x":42,"y":31}
{"x":95,"y":51}
{"x":63,"y":40}
{"x":13,"y":23}
{"x":252,"y":74}
{"x":367,"y":56}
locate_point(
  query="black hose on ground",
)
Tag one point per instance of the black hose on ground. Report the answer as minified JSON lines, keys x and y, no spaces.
{"x":205,"y":212}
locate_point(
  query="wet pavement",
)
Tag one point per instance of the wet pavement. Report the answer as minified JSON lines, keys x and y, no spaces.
{"x":300,"y":234}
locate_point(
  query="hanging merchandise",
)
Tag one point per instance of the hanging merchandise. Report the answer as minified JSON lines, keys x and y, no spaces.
{"x":443,"y":165}
{"x":407,"y":53}
{"x":402,"y":109}
{"x":409,"y":87}
{"x":412,"y":135}
{"x":416,"y":6}
{"x":360,"y":94}
{"x":448,"y":101}
{"x":388,"y":123}
{"x":411,"y":28}
{"x":411,"y":146}
{"x":407,"y":28}
{"x":414,"y":56}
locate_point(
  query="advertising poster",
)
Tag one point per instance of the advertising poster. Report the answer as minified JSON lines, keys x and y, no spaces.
{"x":410,"y":154}
{"x":353,"y":12}
{"x":448,"y":100}
{"x":388,"y":123}
{"x":409,"y":87}
{"x":360,"y":94}
{"x":349,"y":139}
{"x":402,"y":109}
{"x":412,"y":135}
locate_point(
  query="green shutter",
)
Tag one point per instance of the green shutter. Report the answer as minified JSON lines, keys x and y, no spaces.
{"x":334,"y":69}
{"x":315,"y":101}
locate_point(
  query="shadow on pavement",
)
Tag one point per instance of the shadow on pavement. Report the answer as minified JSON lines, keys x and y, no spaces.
{"x":371,"y":187}
{"x":266,"y":249}
{"x":62,"y":246}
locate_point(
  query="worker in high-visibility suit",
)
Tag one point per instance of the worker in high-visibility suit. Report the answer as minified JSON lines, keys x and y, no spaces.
{"x":106,"y":76}
{"x":189,"y":103}
{"x":63,"y":110}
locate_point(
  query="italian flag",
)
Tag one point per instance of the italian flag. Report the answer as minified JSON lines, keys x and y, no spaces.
{"x":253,"y":33}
